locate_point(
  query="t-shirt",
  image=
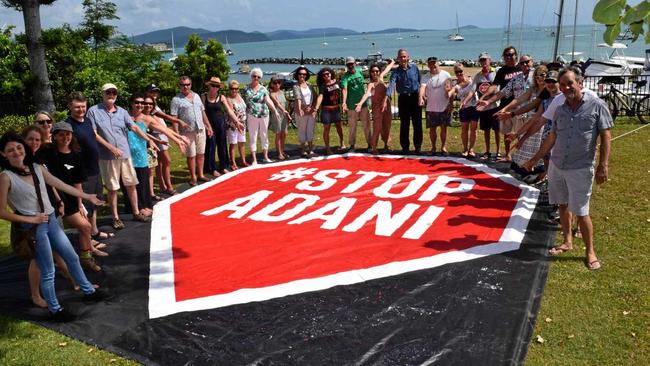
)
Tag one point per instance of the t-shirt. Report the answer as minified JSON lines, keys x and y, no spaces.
{"x":502,"y":77}
{"x":85,"y":135}
{"x":482,"y":83}
{"x":67,"y":167}
{"x":355,"y":83}
{"x":462,"y":94}
{"x":331,"y":94}
{"x":306,"y":94}
{"x":435,"y":93}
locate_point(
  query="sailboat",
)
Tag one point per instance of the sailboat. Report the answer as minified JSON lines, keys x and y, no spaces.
{"x":174,"y":56}
{"x":456,"y":37}
{"x":324,"y":44}
{"x":399,"y":34}
{"x":228,"y":51}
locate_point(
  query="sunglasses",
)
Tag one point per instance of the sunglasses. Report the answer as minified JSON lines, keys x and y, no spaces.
{"x":326,"y":74}
{"x":111,"y":92}
{"x":458,"y":72}
{"x":186,"y":85}
{"x":138,"y":102}
{"x":214,"y":85}
{"x":550,"y":81}
{"x":302,"y":74}
{"x":374,"y":71}
{"x":44,"y":121}
{"x":512,"y":54}
{"x":148,"y":103}
{"x":524,"y":62}
{"x":234,"y":88}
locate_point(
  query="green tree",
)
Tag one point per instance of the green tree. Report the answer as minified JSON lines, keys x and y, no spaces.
{"x":615,"y":13}
{"x":96,"y":12}
{"x":40,"y":81}
{"x":202,"y":61}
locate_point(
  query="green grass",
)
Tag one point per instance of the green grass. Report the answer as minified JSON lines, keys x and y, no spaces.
{"x":586,"y":318}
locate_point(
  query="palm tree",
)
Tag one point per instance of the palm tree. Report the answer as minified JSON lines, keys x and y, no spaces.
{"x":41,"y":91}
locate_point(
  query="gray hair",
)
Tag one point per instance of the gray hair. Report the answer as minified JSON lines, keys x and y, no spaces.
{"x":572,"y":69}
{"x":256,"y":71}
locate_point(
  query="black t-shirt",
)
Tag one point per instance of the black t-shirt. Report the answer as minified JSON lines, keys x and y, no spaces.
{"x":545,"y":94}
{"x":331,"y":94}
{"x":66,"y":167}
{"x":503,"y":76}
{"x":85,"y":135}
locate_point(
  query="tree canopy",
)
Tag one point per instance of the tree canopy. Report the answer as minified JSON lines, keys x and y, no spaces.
{"x":616,"y":13}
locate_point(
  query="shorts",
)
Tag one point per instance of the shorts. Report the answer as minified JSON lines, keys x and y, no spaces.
{"x":92,"y":185}
{"x":487,"y":121}
{"x":113,"y":171}
{"x":468,"y":114}
{"x":197,"y":143}
{"x":329,"y":117}
{"x":279,"y":126}
{"x":435,"y":119}
{"x":234,"y":136}
{"x":512,"y":125}
{"x":571,"y":187}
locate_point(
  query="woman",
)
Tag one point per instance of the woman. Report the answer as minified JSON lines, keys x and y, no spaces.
{"x":467,"y":110}
{"x":216,"y":108}
{"x":329,"y":97}
{"x":63,"y":161}
{"x":279,"y":125}
{"x":381,"y":109}
{"x":305,"y":101}
{"x":258,"y":104}
{"x":44,"y":121}
{"x":236,"y":134}
{"x":18,"y":190}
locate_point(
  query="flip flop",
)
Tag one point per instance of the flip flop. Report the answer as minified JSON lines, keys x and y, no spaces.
{"x":559,"y":249}
{"x":102,"y":235}
{"x":593,"y":265}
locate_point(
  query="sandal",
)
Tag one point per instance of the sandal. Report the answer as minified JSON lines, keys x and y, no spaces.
{"x":593,"y":265}
{"x":485,"y":156}
{"x":117,"y":224}
{"x":98,"y":245}
{"x":101,"y":235}
{"x":560,"y":249}
{"x":156,"y":198}
{"x":99,"y":253}
{"x":171,"y":192}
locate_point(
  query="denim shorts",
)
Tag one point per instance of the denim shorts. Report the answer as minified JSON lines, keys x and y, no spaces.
{"x":329,"y":117}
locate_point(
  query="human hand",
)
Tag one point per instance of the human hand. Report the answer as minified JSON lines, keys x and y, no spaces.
{"x":39,"y":218}
{"x":116,"y":152}
{"x":529,"y":165}
{"x":502,"y":116}
{"x":601,"y":174}
{"x":481,"y":104}
{"x":93,"y":199}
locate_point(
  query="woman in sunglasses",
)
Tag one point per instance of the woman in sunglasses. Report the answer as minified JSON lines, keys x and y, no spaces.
{"x":381,"y":109}
{"x":44,"y":121}
{"x":305,"y":113}
{"x":279,"y":126}
{"x":258,"y":104}
{"x":329,"y":97}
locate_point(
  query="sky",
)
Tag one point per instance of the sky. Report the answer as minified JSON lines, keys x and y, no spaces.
{"x":141,"y":16}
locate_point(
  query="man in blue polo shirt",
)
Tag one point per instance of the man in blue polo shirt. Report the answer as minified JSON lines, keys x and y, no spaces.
{"x":578,"y":124}
{"x":405,"y":79}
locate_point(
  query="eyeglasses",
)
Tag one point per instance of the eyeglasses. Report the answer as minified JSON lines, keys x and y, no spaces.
{"x":326,"y":74}
{"x":44,"y":121}
{"x":524,"y":62}
{"x":510,"y":54}
{"x":458,"y":72}
{"x":186,"y":85}
{"x":302,"y":74}
{"x":234,"y":88}
{"x":214,"y":85}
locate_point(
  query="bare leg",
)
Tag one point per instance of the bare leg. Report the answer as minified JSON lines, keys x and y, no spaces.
{"x":472,"y":135}
{"x":78,"y":222}
{"x":339,"y":131}
{"x":587,"y":230}
{"x":497,"y":141}
{"x":232,"y":156}
{"x":326,"y":138}
{"x":34,"y":277}
{"x":565,"y":222}
{"x":112,"y":199}
{"x":433,"y":137}
{"x":199,"y":165}
{"x":486,"y":136}
{"x":464,"y":135}
{"x":191,"y":167}
{"x":133,"y":198}
{"x":443,"y":138}
{"x":242,"y":153}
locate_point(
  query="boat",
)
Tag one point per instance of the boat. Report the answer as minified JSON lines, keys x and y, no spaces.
{"x":374,"y":56}
{"x":615,"y":63}
{"x":324,"y":43}
{"x":456,"y":37}
{"x":174,"y":56}
{"x":228,"y":51}
{"x":399,"y":34}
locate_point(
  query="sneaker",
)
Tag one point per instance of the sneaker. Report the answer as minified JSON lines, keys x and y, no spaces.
{"x":62,"y":316}
{"x":97,"y":296}
{"x":117,"y":224}
{"x":90,"y":264}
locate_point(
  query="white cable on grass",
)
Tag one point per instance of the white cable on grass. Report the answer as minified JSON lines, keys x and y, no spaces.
{"x":629,"y":132}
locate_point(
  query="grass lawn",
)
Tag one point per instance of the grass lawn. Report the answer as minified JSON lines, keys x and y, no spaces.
{"x":586,"y":318}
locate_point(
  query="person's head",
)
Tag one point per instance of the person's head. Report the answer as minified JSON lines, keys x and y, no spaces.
{"x":14,"y":151}
{"x":525,"y":63}
{"x":484,"y":60}
{"x":551,"y":81}
{"x":33,"y":137}
{"x":109,"y":94}
{"x":233,"y":87}
{"x":432,"y":64}
{"x":539,"y":76}
{"x":256,"y":75}
{"x":459,"y":71}
{"x":149,"y":104}
{"x":510,"y":56}
{"x":275,"y":84}
{"x":403,"y":57}
{"x":374,"y":72}
{"x":301,"y":74}
{"x":62,"y":136}
{"x":44,"y":121}
{"x":350,"y":64}
{"x":571,"y":84}
{"x":136,"y":101}
{"x":325,"y":76}
{"x":77,"y":105}
{"x":185,"y":83}
{"x":153,"y":90}
{"x":213,"y":85}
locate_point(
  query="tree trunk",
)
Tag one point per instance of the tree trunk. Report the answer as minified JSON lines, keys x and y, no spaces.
{"x":41,"y":90}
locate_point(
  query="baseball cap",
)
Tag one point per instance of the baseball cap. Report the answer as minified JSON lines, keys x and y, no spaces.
{"x":350,"y":60}
{"x":552,"y":75}
{"x":108,"y":86}
{"x":432,"y":59}
{"x":153,"y":87}
{"x":484,"y":55}
{"x":61,"y":126}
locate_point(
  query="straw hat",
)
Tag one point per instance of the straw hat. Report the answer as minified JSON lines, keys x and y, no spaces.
{"x":214,"y":81}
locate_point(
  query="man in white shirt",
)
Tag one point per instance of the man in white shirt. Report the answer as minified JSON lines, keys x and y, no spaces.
{"x":435,"y":91}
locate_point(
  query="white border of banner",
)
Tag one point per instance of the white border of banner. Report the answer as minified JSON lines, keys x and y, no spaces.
{"x":162,"y":299}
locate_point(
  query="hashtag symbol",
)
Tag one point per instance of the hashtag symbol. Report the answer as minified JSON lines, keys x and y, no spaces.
{"x":287,"y":175}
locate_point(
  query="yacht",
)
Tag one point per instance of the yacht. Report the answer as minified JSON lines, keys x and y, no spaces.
{"x":174,"y":56}
{"x":615,"y":63}
{"x":456,"y":37}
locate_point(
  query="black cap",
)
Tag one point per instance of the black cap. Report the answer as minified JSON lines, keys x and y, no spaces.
{"x":153,"y":87}
{"x":432,"y":59}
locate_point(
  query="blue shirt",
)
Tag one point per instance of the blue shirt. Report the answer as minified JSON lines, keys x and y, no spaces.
{"x":189,"y":111}
{"x":85,"y":135}
{"x":577,"y":132}
{"x":406,"y":81}
{"x":112,"y":127}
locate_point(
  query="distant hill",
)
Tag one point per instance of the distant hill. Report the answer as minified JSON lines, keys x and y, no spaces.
{"x":310,"y":33}
{"x":394,"y":30}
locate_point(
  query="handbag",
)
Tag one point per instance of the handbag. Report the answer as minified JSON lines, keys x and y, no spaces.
{"x":23,"y":240}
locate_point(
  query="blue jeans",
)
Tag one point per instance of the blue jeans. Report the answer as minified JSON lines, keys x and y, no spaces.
{"x":50,"y":236}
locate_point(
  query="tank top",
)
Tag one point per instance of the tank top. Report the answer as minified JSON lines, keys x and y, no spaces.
{"x":215,"y":112}
{"x":22,"y":195}
{"x":463,"y":91}
{"x":138,"y":147}
{"x":239,"y":108}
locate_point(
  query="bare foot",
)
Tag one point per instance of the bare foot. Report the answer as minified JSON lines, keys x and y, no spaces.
{"x":560,"y":249}
{"x":39,"y":301}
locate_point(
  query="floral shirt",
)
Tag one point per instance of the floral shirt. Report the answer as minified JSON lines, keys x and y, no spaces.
{"x":255,"y":101}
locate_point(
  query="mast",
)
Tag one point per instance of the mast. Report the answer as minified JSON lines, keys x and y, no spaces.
{"x":521,"y":26}
{"x":557,"y":31}
{"x":457,"y":26}
{"x":509,"y":18}
{"x":573,"y":43}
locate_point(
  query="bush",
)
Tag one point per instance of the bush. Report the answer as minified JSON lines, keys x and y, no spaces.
{"x":13,"y":122}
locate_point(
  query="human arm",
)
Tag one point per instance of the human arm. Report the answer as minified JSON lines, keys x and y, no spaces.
{"x":175,"y":121}
{"x":543,"y":150}
{"x":269,"y":103}
{"x":365,"y":97}
{"x":114,"y":150}
{"x":319,"y":100}
{"x":602,"y":171}
{"x":345,"y":97}
{"x":388,"y":68}
{"x":421,"y":93}
{"x":279,"y":106}
{"x":488,"y":98}
{"x":58,"y":184}
{"x":450,"y":91}
{"x":5,"y":185}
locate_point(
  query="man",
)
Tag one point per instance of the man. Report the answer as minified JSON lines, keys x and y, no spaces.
{"x":482,"y":82}
{"x":354,"y":87}
{"x":83,"y":130}
{"x":187,"y":106}
{"x":111,"y":124}
{"x":501,"y":79}
{"x":405,"y":79}
{"x":435,"y":91}
{"x":516,"y":87}
{"x":577,"y":124}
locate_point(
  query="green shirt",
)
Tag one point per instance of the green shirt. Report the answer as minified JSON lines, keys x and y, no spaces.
{"x":356,"y":86}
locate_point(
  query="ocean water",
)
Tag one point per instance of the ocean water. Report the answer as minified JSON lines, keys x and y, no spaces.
{"x":537,"y":42}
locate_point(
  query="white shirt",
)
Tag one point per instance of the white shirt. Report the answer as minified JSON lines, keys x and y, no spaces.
{"x":549,"y":113}
{"x":306,"y":93}
{"x":435,"y":92}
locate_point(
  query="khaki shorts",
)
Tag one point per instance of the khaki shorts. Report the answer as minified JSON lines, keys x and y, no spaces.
{"x":197,"y":143}
{"x":512,"y":125}
{"x":112,"y":170}
{"x":571,"y":187}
